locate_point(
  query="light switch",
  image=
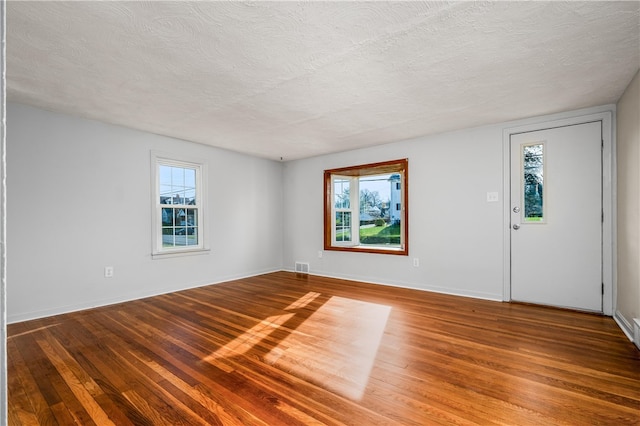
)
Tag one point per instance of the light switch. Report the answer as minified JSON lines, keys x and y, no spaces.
{"x":108,"y":271}
{"x":492,"y":197}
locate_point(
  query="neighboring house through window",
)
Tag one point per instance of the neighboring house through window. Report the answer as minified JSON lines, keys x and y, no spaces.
{"x":366,"y":208}
{"x":178,"y":205}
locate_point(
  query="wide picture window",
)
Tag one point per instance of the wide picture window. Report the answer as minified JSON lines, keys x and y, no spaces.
{"x":178,"y":206}
{"x":366,"y":208}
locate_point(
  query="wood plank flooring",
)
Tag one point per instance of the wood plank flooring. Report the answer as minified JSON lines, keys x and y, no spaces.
{"x":284,"y":349}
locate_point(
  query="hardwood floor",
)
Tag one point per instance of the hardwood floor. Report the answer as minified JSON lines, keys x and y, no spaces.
{"x":282,"y":349}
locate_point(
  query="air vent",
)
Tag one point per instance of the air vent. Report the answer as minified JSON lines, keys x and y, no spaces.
{"x":302,"y":268}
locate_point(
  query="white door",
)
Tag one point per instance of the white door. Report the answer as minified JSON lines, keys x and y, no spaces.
{"x":556,"y":217}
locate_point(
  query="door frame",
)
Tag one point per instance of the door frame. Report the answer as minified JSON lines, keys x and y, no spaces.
{"x":608,"y":186}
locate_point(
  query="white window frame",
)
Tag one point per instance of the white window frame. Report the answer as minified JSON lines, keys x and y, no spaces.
{"x":354,"y":209}
{"x":158,"y":250}
{"x":545,"y":178}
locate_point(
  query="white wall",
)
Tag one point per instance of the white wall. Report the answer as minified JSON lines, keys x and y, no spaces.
{"x":79,"y":200}
{"x":454,"y":232}
{"x":628,"y":163}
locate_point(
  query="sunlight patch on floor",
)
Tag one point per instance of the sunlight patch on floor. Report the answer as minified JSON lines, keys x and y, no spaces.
{"x":251,"y":337}
{"x":336,"y":347}
{"x":333,"y":346}
{"x":260,"y":331}
{"x":303,"y":301}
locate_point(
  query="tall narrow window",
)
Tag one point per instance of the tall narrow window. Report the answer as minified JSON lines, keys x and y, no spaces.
{"x":533,"y":182}
{"x":178,"y":206}
{"x":343,"y":212}
{"x":366,"y":208}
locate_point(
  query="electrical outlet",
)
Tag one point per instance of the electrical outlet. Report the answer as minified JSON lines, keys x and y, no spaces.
{"x":319,"y":254}
{"x":416,"y":262}
{"x":108,"y":271}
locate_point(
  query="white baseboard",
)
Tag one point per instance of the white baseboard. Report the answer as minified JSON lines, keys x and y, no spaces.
{"x":632,"y":330}
{"x":90,"y":304}
{"x":410,"y":286}
{"x":624,"y":325}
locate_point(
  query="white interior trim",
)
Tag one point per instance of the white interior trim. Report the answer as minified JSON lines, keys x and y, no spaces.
{"x":3,"y":224}
{"x":201,"y":194}
{"x":624,"y":325}
{"x":605,"y":115}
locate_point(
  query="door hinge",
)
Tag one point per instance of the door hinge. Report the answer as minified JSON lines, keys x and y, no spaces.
{"x":602,"y":289}
{"x":602,"y":217}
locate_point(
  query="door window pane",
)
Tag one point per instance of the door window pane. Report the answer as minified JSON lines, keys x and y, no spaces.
{"x":533,"y":191}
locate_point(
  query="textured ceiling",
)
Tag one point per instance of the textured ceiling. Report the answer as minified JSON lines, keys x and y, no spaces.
{"x":298,"y":79}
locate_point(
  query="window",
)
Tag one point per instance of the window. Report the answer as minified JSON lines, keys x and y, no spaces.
{"x":365,"y":208}
{"x":177,"y":206}
{"x":533,"y":178}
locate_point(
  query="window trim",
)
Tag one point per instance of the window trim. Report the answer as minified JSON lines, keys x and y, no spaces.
{"x":523,"y":197}
{"x":354,"y":214}
{"x":157,"y":250}
{"x":387,"y":167}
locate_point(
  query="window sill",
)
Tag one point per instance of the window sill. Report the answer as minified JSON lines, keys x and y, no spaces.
{"x":370,"y":249}
{"x":181,"y":253}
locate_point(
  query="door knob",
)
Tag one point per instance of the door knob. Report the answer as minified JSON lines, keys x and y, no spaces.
{"x":516,"y":226}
